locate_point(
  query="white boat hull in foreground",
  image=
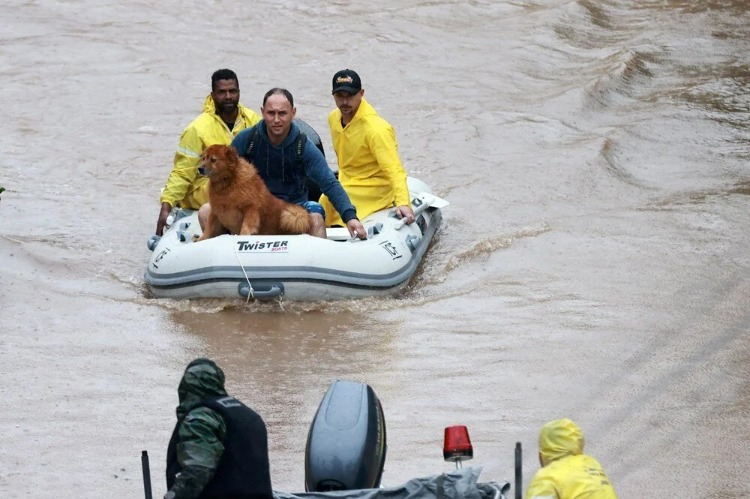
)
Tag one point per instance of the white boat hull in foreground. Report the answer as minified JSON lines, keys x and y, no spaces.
{"x":298,"y":267}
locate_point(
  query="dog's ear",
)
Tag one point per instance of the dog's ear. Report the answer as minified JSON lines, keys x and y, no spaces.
{"x":232,"y":154}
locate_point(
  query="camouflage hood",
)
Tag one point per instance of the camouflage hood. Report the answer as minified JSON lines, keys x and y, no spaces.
{"x":202,"y":378}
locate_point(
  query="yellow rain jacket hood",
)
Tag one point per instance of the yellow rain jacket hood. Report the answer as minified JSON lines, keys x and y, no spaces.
{"x":370,"y":170}
{"x":560,"y":438}
{"x":567,"y":473}
{"x":184,"y":185}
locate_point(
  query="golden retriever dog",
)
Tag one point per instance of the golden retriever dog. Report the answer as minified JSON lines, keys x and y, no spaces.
{"x":240,"y":201}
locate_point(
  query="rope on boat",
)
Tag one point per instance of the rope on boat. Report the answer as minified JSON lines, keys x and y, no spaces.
{"x":251,"y":291}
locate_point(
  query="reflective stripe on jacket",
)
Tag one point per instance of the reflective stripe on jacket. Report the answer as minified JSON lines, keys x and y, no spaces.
{"x":369,"y":166}
{"x":184,"y":185}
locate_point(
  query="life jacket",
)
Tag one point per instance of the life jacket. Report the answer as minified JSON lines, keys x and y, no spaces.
{"x":243,"y":469}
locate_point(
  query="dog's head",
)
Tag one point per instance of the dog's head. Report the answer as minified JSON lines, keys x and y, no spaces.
{"x":218,"y":158}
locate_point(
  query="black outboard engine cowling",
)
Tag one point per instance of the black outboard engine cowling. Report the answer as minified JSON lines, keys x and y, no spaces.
{"x":346,"y":443}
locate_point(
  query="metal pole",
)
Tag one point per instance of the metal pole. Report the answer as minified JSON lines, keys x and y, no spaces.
{"x":146,"y":474}
{"x":519,"y":476}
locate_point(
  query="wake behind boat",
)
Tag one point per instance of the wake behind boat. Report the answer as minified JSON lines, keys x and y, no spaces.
{"x":299,"y":267}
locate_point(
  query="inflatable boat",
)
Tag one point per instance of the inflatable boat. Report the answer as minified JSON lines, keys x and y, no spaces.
{"x":299,"y":267}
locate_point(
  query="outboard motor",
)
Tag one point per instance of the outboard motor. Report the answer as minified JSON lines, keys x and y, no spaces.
{"x":346,"y":443}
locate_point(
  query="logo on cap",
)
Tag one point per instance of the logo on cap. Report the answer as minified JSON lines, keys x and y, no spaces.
{"x":346,"y":80}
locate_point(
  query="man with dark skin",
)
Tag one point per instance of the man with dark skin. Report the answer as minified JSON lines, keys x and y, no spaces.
{"x":222,"y":119}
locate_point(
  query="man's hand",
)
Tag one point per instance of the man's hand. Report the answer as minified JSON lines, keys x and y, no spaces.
{"x":166,"y":208}
{"x":356,"y":229}
{"x":405,"y":212}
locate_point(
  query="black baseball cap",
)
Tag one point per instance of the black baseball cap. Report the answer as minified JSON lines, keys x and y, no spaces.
{"x":346,"y":80}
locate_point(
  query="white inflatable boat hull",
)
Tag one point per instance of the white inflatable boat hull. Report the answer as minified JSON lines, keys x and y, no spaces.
{"x":295,"y":267}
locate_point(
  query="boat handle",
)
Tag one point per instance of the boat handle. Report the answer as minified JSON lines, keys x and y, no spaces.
{"x":153,"y":241}
{"x":277,"y":289}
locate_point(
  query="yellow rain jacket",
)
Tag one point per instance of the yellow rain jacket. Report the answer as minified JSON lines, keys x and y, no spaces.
{"x":566,"y":472}
{"x":370,"y":170}
{"x":184,"y":185}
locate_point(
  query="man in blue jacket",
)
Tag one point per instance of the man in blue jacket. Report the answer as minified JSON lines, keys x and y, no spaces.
{"x":286,"y":158}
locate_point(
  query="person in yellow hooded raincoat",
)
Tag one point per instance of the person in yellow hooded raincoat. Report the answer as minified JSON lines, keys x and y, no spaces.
{"x":223,"y":117}
{"x":567,"y":473}
{"x":367,"y":151}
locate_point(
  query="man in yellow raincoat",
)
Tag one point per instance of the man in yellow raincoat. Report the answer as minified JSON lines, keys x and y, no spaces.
{"x":365,"y":144}
{"x":222,"y":119}
{"x":567,"y":473}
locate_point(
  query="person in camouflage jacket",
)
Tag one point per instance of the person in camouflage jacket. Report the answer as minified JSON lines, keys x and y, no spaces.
{"x":219,"y":446}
